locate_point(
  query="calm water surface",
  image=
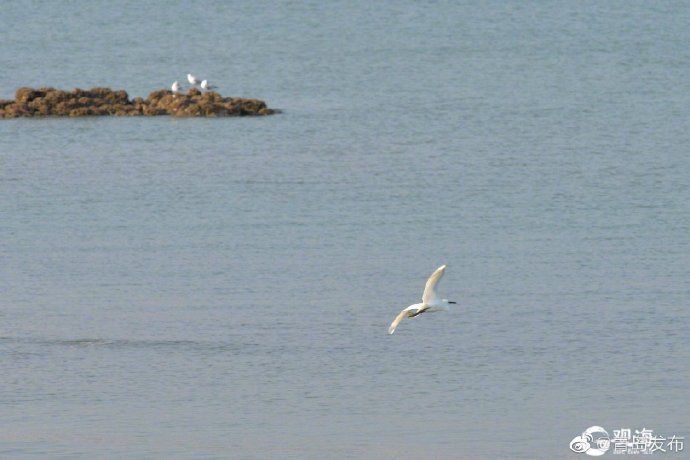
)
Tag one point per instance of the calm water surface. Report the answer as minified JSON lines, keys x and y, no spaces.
{"x":222,"y":288}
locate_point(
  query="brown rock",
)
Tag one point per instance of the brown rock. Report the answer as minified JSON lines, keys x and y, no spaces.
{"x":56,"y":96}
{"x":22,"y":94}
{"x":105,"y":101}
{"x":62,"y":109}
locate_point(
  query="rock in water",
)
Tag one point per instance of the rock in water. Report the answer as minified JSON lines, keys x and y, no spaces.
{"x":51,"y":102}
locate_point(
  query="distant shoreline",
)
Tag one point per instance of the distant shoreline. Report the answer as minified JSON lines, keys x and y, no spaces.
{"x":51,"y":102}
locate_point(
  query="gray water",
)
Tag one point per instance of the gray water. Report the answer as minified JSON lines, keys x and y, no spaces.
{"x":221,"y":288}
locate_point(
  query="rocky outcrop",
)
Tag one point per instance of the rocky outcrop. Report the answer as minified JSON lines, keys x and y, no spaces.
{"x":51,"y":102}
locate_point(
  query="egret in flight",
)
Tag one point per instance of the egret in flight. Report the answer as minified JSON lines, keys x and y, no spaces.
{"x":430,"y":301}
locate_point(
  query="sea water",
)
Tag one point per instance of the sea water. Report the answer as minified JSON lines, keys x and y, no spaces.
{"x":222,"y":288}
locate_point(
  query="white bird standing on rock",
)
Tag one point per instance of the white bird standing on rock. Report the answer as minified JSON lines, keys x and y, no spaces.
{"x":192,"y":79}
{"x":430,"y":301}
{"x":206,"y":86}
{"x":176,"y":87}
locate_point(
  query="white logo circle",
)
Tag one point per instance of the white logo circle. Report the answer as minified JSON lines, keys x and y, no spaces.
{"x":593,"y":441}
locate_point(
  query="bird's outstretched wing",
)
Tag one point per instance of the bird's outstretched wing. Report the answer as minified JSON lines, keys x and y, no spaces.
{"x":429,"y":295}
{"x":397,"y":320}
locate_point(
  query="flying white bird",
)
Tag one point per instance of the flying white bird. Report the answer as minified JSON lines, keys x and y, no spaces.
{"x":206,"y":86}
{"x":430,"y":301}
{"x":192,"y":79}
{"x":176,"y":87}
